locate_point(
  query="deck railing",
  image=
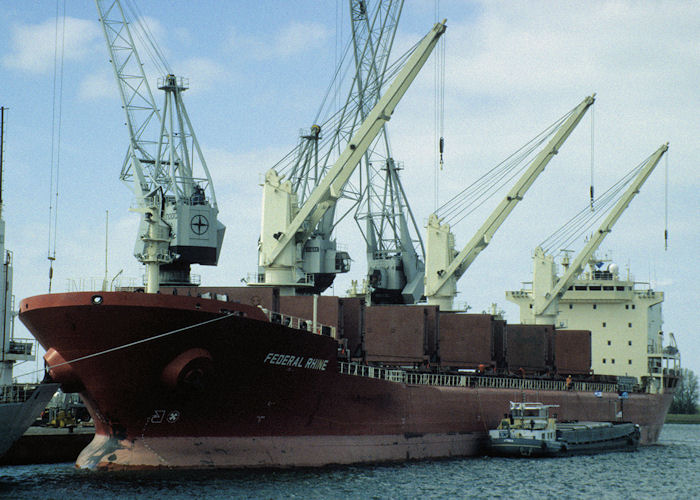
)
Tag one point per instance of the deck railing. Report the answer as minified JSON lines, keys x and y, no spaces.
{"x":16,"y":393}
{"x":445,"y":380}
{"x":299,"y":323}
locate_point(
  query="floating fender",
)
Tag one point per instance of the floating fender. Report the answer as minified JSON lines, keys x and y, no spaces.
{"x":189,"y":370}
{"x":62,"y":373}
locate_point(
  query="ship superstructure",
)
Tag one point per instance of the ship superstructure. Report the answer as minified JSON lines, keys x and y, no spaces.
{"x":624,"y":318}
{"x":625,"y":323}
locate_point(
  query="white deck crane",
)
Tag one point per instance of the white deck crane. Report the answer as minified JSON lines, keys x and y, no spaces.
{"x":179,"y":226}
{"x":444,"y":266}
{"x":286,"y":227}
{"x":547,"y":289}
{"x":395,"y":251}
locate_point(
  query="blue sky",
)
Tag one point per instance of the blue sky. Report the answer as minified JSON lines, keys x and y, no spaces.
{"x":258,"y":72}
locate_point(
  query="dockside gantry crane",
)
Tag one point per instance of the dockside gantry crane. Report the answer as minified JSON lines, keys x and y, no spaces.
{"x":395,"y":267}
{"x":286,"y":226}
{"x":179,"y":225}
{"x":444,"y":266}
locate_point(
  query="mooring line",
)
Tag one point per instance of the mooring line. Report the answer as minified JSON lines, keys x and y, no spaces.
{"x":131,"y":344}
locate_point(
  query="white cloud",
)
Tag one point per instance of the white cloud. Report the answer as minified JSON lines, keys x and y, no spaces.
{"x":295,"y":38}
{"x":202,"y":74}
{"x":97,"y":86}
{"x":298,"y":37}
{"x":518,"y":49}
{"x":33,"y":45}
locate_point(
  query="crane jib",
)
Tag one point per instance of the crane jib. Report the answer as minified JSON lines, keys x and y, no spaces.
{"x":325,"y":194}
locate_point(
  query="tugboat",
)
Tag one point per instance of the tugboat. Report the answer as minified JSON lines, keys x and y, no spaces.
{"x":529,"y":431}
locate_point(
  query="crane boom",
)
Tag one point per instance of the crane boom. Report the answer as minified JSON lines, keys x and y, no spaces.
{"x":135,"y":93}
{"x":546,"y":294}
{"x":324,"y":196}
{"x":436,"y":276}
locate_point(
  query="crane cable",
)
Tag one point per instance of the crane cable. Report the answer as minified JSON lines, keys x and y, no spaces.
{"x":340,"y":119}
{"x":584,"y":220}
{"x":592,"y":156}
{"x":475,"y":195}
{"x":439,"y":108}
{"x":666,"y":203}
{"x":55,"y":163}
{"x":226,"y":315}
{"x":145,"y":35}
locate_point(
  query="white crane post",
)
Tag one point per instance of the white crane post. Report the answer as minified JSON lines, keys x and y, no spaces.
{"x":545,"y":304}
{"x":481,"y":239}
{"x":329,"y":189}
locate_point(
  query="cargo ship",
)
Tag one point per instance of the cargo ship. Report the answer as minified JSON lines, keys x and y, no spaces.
{"x":20,"y":406}
{"x":177,"y":375}
{"x":226,"y":378}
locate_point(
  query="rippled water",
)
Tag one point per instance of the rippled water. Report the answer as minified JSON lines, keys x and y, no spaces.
{"x":670,"y":469}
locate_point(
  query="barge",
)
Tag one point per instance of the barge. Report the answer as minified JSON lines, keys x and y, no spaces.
{"x":530,"y":431}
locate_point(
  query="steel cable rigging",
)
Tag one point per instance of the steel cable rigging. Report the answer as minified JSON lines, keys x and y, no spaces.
{"x":475,"y":195}
{"x":439,"y":83}
{"x":56,"y":118}
{"x":146,"y":38}
{"x":586,"y":219}
{"x":342,"y":120}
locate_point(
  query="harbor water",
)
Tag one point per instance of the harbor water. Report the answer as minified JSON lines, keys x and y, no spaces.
{"x":670,"y":469}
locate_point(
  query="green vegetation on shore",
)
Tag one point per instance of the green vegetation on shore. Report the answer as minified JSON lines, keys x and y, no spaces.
{"x":682,"y":418}
{"x":687,"y":394}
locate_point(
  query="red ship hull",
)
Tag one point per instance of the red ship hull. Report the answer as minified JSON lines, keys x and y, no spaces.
{"x":241,"y":391}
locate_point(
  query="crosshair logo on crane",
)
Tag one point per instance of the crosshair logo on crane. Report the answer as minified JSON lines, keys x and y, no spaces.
{"x":199,"y":224}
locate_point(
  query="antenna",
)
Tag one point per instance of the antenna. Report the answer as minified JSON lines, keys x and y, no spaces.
{"x":2,"y":147}
{"x":105,"y":281}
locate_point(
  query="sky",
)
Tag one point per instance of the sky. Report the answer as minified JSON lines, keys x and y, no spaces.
{"x":258,"y":72}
